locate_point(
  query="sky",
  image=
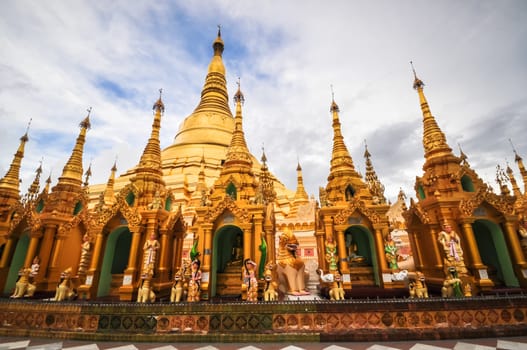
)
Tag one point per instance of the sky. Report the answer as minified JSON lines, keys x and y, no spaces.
{"x":58,"y":58}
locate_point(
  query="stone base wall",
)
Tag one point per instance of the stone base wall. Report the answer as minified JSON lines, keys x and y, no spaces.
{"x":349,"y":320}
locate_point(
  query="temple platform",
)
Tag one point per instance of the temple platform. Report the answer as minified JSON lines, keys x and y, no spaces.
{"x":315,"y":321}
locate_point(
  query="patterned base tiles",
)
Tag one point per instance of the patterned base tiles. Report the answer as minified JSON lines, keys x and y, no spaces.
{"x":427,"y":347}
{"x":468,"y":346}
{"x":476,"y":344}
{"x":511,"y":345}
{"x":15,"y":345}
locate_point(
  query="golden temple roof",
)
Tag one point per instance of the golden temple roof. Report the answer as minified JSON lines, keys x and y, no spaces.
{"x":11,"y":180}
{"x":434,"y":140}
{"x":72,"y":172}
{"x":342,"y":172}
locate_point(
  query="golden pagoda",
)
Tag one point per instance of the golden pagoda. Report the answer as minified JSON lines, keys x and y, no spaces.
{"x":206,"y":197}
{"x":458,"y":223}
{"x":353,"y":218}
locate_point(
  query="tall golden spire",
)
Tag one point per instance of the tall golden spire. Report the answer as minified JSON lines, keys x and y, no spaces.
{"x":48,"y":184}
{"x":238,"y":154}
{"x":149,"y":175}
{"x":72,"y":172}
{"x":515,"y":188}
{"x":109,"y":197}
{"x":434,"y":141}
{"x":266,"y":182}
{"x":200,"y":193}
{"x":11,"y":181}
{"x":523,"y":171}
{"x":151,"y":157}
{"x":214,"y":95}
{"x":33,"y":189}
{"x":374,"y":184}
{"x":301,"y":194}
{"x":341,"y":161}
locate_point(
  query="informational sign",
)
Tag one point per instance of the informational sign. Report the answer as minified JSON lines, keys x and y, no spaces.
{"x":483,"y":274}
{"x":204,"y":277}
{"x":127,"y":280}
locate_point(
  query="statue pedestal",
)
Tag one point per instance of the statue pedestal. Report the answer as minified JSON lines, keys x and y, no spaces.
{"x":362,"y":276}
{"x":292,"y":297}
{"x":229,"y":282}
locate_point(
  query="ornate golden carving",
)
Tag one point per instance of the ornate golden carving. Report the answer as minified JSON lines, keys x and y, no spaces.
{"x":503,"y":204}
{"x":354,"y":204}
{"x":229,"y":204}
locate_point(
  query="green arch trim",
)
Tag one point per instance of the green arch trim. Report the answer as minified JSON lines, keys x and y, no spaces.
{"x":78,"y":208}
{"x":421,"y":192}
{"x":17,"y":262}
{"x":493,"y":250}
{"x":168,"y":204}
{"x":231,"y":190}
{"x":130,"y":198}
{"x":39,"y":206}
{"x":350,"y":192}
{"x":466,"y":184}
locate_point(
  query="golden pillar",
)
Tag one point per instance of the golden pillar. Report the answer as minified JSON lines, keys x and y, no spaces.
{"x":472,"y":245}
{"x":207,"y":247}
{"x":416,"y":249}
{"x":319,"y":237}
{"x":248,"y":244}
{"x":53,"y":271}
{"x":379,"y":245}
{"x":163,"y":255}
{"x":515,"y":245}
{"x":437,"y":254}
{"x":206,"y":263}
{"x":32,"y":249}
{"x":270,"y":238}
{"x":178,"y":248}
{"x":45,"y":248}
{"x":130,"y":276}
{"x":6,"y":255}
{"x":134,"y":250}
{"x":97,"y":247}
{"x":341,"y":248}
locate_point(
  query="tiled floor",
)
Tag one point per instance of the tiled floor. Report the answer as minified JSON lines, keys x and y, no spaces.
{"x":517,"y":343}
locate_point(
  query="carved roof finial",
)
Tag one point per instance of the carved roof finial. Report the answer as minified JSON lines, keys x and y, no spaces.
{"x":159,"y":105}
{"x":87,"y":175}
{"x":463,"y":156}
{"x":238,"y":97}
{"x":418,"y":83}
{"x":334,"y":107}
{"x":264,"y":158}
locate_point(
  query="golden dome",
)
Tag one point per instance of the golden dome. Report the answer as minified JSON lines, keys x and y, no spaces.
{"x":208,"y":130}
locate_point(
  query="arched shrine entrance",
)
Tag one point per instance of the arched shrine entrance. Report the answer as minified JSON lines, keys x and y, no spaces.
{"x":115,"y":261}
{"x":494,"y":253}
{"x":362,"y":256}
{"x":227,"y":259}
